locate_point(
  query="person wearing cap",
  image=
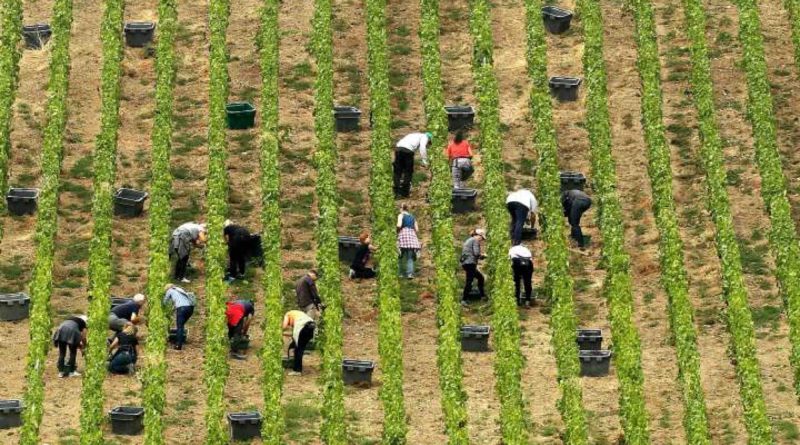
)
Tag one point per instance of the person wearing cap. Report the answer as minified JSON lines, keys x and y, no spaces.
{"x":404,"y":160}
{"x":459,"y":152}
{"x":184,"y":238}
{"x":575,"y":203}
{"x":470,"y":256}
{"x":238,"y":240}
{"x":308,"y":299}
{"x":302,"y":331}
{"x":184,"y":304}
{"x":126,"y":313}
{"x":70,"y":336}
{"x":239,"y":314}
{"x":522,"y":266}
{"x":522,"y":206}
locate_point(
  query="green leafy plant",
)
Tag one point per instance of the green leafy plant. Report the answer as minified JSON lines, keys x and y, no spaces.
{"x":448,"y":313}
{"x":10,"y":25}
{"x":41,"y":286}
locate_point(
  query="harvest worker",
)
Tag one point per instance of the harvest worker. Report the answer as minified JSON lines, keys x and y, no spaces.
{"x":239,"y":313}
{"x":307,"y":294}
{"x":470,"y":255}
{"x":358,"y":268}
{"x":522,"y":207}
{"x":302,"y":331}
{"x":522,"y":265}
{"x":184,"y":238}
{"x":575,"y":204}
{"x":404,"y":160}
{"x":238,"y":239}
{"x":459,"y":152}
{"x":407,"y":241}
{"x":70,"y":335}
{"x":123,"y":351}
{"x":126,"y":313}
{"x":184,"y":304}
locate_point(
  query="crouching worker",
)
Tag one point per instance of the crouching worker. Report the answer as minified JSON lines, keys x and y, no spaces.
{"x":575,"y":203}
{"x":307,"y":294}
{"x":126,"y":313}
{"x":302,"y":331}
{"x":123,"y":351}
{"x":70,"y":336}
{"x":239,"y":314}
{"x":522,"y":265}
{"x":184,"y":238}
{"x":184,"y":304}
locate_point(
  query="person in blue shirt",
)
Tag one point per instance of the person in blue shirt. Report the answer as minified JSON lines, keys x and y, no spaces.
{"x":184,"y":303}
{"x":126,"y":313}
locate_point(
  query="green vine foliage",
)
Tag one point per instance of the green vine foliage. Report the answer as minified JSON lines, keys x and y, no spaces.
{"x":793,"y":11}
{"x":10,"y":25}
{"x":333,"y":418}
{"x":216,"y":365}
{"x":448,"y":310}
{"x":272,"y":369}
{"x":100,"y":264}
{"x":505,"y":319}
{"x":739,"y":319}
{"x":155,"y":375}
{"x":41,"y":286}
{"x":783,"y":232}
{"x":562,"y":318}
{"x":390,"y":326}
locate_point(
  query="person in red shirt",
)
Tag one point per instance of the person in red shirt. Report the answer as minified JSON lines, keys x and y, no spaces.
{"x":459,"y":152}
{"x":238,"y":313}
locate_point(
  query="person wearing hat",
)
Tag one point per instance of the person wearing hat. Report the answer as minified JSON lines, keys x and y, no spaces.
{"x":238,"y":239}
{"x":184,"y":304}
{"x":522,"y":206}
{"x":126,"y":313}
{"x":184,"y":238}
{"x":70,"y":336}
{"x":404,"y":160}
{"x":470,"y":256}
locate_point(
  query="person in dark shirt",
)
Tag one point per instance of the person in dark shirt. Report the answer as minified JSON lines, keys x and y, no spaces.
{"x":70,"y":335}
{"x":359,"y":269}
{"x":307,"y":294}
{"x":575,"y":203}
{"x":238,"y":240}
{"x":126,"y":313}
{"x":123,"y":351}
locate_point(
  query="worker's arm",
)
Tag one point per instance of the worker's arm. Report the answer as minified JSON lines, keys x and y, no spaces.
{"x":285,"y":322}
{"x":416,"y":226}
{"x":469,"y":148}
{"x":400,"y":220}
{"x":113,"y":345}
{"x":423,"y":150}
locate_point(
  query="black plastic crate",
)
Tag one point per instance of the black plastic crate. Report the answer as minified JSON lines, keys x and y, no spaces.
{"x":556,"y":20}
{"x":139,"y":34}
{"x":357,"y":372}
{"x":127,"y":420}
{"x":347,"y":118}
{"x":240,"y":115}
{"x":589,"y":339}
{"x":565,"y":89}
{"x":572,"y":180}
{"x":245,"y":425}
{"x":473,"y":295}
{"x":464,"y":200}
{"x":15,"y":306}
{"x":240,"y":343}
{"x":129,"y":203}
{"x":459,"y":117}
{"x":595,"y":363}
{"x":36,"y":36}
{"x":347,"y":248}
{"x":475,"y":338}
{"x":22,"y":201}
{"x":529,"y":233}
{"x":10,"y":413}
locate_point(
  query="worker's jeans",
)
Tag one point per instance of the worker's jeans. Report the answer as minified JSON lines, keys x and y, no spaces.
{"x":305,"y":336}
{"x":579,"y":207}
{"x":523,"y":273}
{"x":407,"y":262}
{"x":519,"y":214}
{"x":472,"y":274}
{"x":237,"y":258}
{"x":403,"y":171}
{"x":62,"y":352}
{"x":182,"y":315}
{"x":456,"y":169}
{"x":180,"y":267}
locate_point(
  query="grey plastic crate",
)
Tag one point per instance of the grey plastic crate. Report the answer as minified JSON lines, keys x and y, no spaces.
{"x":10,"y":413}
{"x":459,"y":117}
{"x":139,"y":34}
{"x":245,"y":425}
{"x":37,"y":35}
{"x":129,"y":203}
{"x":347,"y":118}
{"x":464,"y":200}
{"x":15,"y":306}
{"x":22,"y":201}
{"x":556,"y":20}
{"x":475,"y":338}
{"x":572,"y":180}
{"x":357,"y":372}
{"x":565,"y":89}
{"x":127,"y":420}
{"x":589,"y":339}
{"x":594,"y":363}
{"x":347,"y":248}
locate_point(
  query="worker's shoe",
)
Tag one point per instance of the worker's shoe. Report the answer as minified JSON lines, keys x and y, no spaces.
{"x":74,"y":374}
{"x":294,"y":373}
{"x":238,"y":356}
{"x":62,"y":374}
{"x":185,"y":280}
{"x":351,"y":274}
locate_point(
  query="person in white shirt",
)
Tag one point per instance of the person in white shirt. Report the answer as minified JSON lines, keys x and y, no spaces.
{"x":522,"y":206}
{"x":404,"y":160}
{"x":522,"y":265}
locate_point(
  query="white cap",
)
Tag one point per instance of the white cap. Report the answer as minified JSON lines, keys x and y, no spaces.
{"x":84,"y":318}
{"x":138,"y":298}
{"x":480,"y":232}
{"x":227,"y":223}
